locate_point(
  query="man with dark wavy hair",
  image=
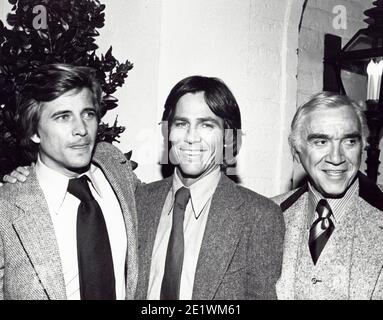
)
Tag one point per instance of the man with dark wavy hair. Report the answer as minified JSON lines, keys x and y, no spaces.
{"x":201,"y":236}
{"x":69,"y":231}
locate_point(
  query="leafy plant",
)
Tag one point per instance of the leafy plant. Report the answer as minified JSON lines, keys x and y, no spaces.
{"x":52,"y":31}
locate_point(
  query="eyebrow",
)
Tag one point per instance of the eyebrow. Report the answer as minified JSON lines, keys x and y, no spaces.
{"x":209,"y":119}
{"x":89,"y":109}
{"x":313,"y":136}
{"x":353,"y":135}
{"x":61,"y":112}
{"x":180,"y":119}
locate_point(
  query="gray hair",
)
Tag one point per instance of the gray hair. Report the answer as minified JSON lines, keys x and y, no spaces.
{"x":329,"y":100}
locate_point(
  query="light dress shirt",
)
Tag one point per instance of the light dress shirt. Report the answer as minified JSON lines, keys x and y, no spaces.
{"x":63,"y":211}
{"x":196,"y":214}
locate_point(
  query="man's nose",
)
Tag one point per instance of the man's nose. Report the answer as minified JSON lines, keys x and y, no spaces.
{"x":80,"y":127}
{"x":192,"y":135}
{"x":336,"y":155}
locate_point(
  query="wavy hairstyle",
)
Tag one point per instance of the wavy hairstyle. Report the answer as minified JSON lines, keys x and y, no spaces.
{"x":45,"y":84}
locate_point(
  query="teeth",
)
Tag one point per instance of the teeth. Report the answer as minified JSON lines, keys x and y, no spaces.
{"x":192,"y":152}
{"x":334,"y":172}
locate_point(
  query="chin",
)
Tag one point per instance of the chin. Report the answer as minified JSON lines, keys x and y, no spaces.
{"x":335,"y":192}
{"x":191,"y":172}
{"x":80,"y":163}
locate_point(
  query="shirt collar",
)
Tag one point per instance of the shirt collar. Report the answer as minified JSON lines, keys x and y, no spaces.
{"x":201,"y":191}
{"x":338,"y":206}
{"x":92,"y":173}
{"x":55,"y":184}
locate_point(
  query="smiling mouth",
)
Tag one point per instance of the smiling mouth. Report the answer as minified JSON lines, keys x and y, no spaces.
{"x":192,"y":152}
{"x":334,"y":173}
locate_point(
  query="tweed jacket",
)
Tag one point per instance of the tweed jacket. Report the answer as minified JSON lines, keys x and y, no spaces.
{"x":241,"y":251}
{"x":30,"y":265}
{"x":366,"y":280}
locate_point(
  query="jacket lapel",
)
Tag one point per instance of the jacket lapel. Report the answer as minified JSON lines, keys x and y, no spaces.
{"x":123,"y":189}
{"x":148,"y":228}
{"x":35,"y":231}
{"x":220,"y":239}
{"x":367,"y":254}
{"x":295,"y":220}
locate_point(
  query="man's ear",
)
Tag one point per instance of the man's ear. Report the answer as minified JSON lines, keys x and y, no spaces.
{"x":295,"y":155}
{"x":35,"y":138}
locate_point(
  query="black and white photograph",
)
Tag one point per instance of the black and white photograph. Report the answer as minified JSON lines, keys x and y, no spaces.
{"x":188,"y":155}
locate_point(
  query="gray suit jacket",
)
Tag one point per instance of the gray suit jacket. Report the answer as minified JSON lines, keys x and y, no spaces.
{"x":241,"y":252}
{"x":30,"y":265}
{"x":366,"y":279}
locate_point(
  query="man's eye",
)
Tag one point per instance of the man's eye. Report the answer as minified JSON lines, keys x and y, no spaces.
{"x":320,"y":142}
{"x":180,"y":124}
{"x":89,"y":115}
{"x":351,"y":142}
{"x":207,"y":125}
{"x":62,"y":117}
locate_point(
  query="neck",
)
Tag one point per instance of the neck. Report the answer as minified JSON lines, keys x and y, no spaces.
{"x":333,"y":196}
{"x":188,"y":180}
{"x":66,"y":171}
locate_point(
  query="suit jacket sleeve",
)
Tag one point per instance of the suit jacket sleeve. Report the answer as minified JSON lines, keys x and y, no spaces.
{"x":1,"y":270}
{"x":1,"y":261}
{"x":266,"y":250}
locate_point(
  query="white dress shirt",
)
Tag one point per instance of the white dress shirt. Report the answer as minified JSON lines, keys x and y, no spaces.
{"x":196,"y":214}
{"x":63,"y":210}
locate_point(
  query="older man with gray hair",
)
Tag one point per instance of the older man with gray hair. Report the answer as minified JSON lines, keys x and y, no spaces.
{"x":334,"y":222}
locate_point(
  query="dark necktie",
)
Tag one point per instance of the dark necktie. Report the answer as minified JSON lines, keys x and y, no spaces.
{"x":95,"y":263}
{"x":171,"y":281}
{"x":320,"y":230}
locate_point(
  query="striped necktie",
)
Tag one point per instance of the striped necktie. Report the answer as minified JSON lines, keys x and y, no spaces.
{"x":320,"y":230}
